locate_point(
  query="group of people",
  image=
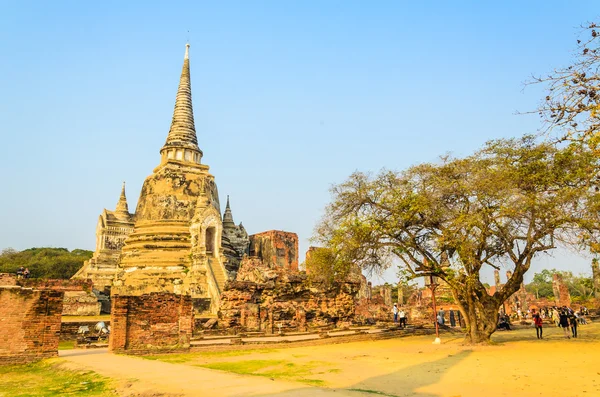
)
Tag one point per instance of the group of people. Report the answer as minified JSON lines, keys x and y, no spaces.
{"x":564,"y":317}
{"x":23,"y":272}
{"x":454,"y":317}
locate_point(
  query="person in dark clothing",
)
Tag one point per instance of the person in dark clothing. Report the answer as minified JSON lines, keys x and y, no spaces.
{"x":573,"y":323}
{"x":452,"y":319}
{"x":537,"y":320}
{"x":563,"y":322}
{"x":504,"y":323}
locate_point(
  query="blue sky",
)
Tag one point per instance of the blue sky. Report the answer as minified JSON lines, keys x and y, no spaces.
{"x":289,"y":97}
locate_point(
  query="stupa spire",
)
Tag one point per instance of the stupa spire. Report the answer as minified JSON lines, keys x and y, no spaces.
{"x":228,"y":216}
{"x":182,"y":143}
{"x":122,"y":203}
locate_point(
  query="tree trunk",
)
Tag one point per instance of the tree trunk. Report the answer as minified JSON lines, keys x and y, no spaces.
{"x":480,"y":311}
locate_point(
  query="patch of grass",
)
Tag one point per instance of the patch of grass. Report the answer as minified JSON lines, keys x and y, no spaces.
{"x":47,"y":378}
{"x":277,"y":369}
{"x":187,"y":357}
{"x":66,"y":345}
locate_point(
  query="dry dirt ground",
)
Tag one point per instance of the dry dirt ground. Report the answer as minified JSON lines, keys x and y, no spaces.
{"x":518,"y":365}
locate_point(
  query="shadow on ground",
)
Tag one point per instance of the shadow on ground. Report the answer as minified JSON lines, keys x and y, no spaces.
{"x":408,"y":380}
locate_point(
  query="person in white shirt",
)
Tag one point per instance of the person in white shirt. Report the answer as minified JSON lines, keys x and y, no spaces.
{"x":402,"y":315}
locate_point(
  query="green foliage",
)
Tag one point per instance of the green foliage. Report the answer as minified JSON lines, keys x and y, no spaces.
{"x":324,"y":266}
{"x":541,"y":285}
{"x":56,"y":263}
{"x":580,"y":287}
{"x":49,"y":379}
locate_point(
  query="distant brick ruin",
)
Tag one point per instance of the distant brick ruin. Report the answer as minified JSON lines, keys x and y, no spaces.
{"x":30,"y":317}
{"x":561,"y":291}
{"x":276,"y":249}
{"x":269,"y":298}
{"x":596,"y":279}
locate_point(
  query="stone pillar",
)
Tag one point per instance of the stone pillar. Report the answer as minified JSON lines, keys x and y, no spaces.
{"x":386,"y":294}
{"x":497,"y":279}
{"x":400,"y":295}
{"x":523,"y":298}
{"x":596,"y":279}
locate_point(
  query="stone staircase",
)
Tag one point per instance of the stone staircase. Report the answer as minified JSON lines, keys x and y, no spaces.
{"x":218,"y":273}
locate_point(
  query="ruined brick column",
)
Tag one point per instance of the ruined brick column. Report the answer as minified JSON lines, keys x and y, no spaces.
{"x":151,"y":322}
{"x":523,"y":297}
{"x":400,"y":295}
{"x":596,"y":279}
{"x":369,"y":290}
{"x":386,"y":294}
{"x":118,"y":323}
{"x":497,"y":279}
{"x":561,"y":292}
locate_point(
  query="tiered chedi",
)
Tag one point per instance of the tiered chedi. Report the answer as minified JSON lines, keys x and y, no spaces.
{"x":179,"y":242}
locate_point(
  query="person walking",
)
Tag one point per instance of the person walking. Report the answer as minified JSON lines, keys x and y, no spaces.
{"x":452,"y":319}
{"x":402,"y":315}
{"x":573,"y":324}
{"x":556,"y":316}
{"x":537,"y":320}
{"x":441,"y":319}
{"x":395,"y":311}
{"x":563,"y":322}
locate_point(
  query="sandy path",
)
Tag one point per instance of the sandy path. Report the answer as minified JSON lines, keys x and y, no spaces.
{"x":520,"y":365}
{"x":141,"y":377}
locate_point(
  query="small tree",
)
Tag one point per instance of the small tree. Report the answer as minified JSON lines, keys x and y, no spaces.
{"x":541,"y":285}
{"x":506,"y":204}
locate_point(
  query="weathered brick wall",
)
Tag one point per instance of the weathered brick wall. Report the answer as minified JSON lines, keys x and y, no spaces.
{"x":276,"y":247}
{"x":149,"y":322}
{"x":29,"y":324}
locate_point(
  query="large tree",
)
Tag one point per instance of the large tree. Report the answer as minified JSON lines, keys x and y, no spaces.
{"x":502,"y":206}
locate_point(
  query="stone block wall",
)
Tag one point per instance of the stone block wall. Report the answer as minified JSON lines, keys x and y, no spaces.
{"x":276,"y":248}
{"x":150,"y":322}
{"x":81,"y":303}
{"x":29,"y":324}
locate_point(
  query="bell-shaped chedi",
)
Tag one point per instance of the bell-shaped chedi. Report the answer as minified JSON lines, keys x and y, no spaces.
{"x":176,"y":242}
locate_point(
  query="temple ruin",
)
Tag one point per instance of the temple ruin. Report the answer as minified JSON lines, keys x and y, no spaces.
{"x":177,"y":241}
{"x":178,"y":257}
